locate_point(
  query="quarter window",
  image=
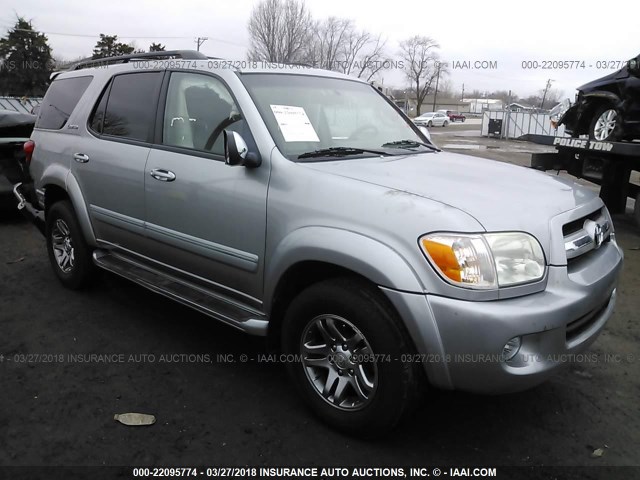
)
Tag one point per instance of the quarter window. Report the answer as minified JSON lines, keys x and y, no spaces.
{"x":198,"y":109}
{"x":61,"y":98}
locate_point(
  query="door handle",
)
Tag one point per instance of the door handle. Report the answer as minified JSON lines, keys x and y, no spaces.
{"x":163,"y":175}
{"x":81,"y":157}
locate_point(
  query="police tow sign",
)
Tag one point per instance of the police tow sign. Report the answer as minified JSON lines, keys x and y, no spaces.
{"x":583,"y":144}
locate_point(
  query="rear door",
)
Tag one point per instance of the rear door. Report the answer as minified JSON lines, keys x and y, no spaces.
{"x":110,"y":156}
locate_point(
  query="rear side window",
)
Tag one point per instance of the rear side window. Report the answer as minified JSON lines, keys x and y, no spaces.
{"x":127,"y":108}
{"x":60,"y":100}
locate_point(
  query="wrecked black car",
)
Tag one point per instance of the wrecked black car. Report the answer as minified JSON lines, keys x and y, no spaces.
{"x":15,"y":130}
{"x":607,"y":109}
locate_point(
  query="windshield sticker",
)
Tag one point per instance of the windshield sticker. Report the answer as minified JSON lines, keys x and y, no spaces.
{"x":294,"y":124}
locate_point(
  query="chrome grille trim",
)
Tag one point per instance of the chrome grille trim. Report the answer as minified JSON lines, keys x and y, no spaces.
{"x":594,"y":232}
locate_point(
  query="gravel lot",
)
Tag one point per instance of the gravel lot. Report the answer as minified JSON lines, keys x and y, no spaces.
{"x":57,"y":410}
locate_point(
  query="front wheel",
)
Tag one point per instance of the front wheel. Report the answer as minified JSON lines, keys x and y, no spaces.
{"x":69,"y":254}
{"x":604,"y":124}
{"x":349,"y":345}
{"x":429,"y":124}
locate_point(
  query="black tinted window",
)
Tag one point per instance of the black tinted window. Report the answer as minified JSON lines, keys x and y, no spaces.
{"x":131,"y":105}
{"x":60,"y":100}
{"x":97,"y":117}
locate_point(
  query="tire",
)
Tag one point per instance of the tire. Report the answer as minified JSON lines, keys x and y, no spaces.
{"x":604,"y":126}
{"x":390,"y":387}
{"x":463,"y":119}
{"x":445,"y":124}
{"x":429,"y":124}
{"x":69,"y":254}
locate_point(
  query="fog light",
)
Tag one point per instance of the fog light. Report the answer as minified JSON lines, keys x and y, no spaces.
{"x":511,"y":348}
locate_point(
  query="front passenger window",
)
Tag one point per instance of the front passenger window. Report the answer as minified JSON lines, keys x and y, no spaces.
{"x":198,"y":109}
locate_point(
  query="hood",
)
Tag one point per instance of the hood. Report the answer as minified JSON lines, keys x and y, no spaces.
{"x":606,"y":80}
{"x":498,"y":195}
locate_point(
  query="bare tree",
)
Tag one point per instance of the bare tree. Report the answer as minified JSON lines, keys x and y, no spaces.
{"x":420,"y":65}
{"x":279,"y":31}
{"x":373,"y":59}
{"x":327,"y":48}
{"x":336,"y":44}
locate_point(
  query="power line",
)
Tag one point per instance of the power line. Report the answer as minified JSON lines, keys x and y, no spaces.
{"x":134,"y":37}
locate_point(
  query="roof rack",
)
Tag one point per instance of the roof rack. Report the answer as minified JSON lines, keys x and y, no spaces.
{"x":183,"y":54}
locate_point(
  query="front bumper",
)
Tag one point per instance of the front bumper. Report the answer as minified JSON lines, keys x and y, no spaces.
{"x":461,"y":342}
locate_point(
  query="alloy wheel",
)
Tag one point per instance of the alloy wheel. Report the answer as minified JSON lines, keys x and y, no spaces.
{"x":62,"y":244}
{"x":339,"y":362}
{"x":605,"y":124}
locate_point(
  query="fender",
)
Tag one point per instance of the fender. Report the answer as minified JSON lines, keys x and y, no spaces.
{"x":60,"y":176}
{"x":601,"y":94}
{"x":77,"y":200}
{"x":373,"y":260}
{"x":396,"y":278}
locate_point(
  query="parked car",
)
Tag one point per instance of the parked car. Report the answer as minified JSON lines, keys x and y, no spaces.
{"x":432,"y":119}
{"x":301,"y":205}
{"x":454,"y":116}
{"x":15,"y":129}
{"x":607,"y":109}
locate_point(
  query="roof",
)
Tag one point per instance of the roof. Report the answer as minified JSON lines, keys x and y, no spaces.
{"x":16,"y":104}
{"x":192,"y":60}
{"x":482,"y":100}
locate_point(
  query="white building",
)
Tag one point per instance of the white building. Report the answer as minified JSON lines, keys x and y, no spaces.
{"x":479,"y":105}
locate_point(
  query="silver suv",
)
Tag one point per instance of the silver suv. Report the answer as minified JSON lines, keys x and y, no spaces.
{"x":302,"y":205}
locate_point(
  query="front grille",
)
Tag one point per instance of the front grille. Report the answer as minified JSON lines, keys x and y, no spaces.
{"x":576,"y":225}
{"x":586,"y":234}
{"x":582,"y":324}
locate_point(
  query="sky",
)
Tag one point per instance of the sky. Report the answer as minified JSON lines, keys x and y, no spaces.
{"x":505,"y":33}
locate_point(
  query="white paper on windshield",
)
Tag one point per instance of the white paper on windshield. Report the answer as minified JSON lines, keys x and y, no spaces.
{"x":294,"y":124}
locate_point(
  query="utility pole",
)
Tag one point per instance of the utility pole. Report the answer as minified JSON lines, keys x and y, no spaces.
{"x":462,"y":92}
{"x":200,"y":41}
{"x":435,"y":95}
{"x":546,"y":89}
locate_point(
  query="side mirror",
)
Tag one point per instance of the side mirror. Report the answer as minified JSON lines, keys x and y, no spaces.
{"x":236,"y":152}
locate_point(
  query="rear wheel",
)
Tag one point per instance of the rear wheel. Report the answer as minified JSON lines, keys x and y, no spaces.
{"x":429,"y":123}
{"x":445,"y":123}
{"x":604,"y":124}
{"x":350,"y":345}
{"x":69,"y":254}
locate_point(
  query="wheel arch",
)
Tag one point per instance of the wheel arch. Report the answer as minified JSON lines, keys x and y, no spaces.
{"x":594,"y":101}
{"x":62,"y":185}
{"x":313,"y":254}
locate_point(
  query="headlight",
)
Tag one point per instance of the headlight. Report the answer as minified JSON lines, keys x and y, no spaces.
{"x":485,"y":261}
{"x":557,"y":112}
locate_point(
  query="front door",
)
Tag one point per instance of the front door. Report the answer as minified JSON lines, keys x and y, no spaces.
{"x":203,"y":216}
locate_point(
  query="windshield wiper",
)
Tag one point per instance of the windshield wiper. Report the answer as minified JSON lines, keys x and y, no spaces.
{"x":339,"y":152}
{"x":409,"y":144}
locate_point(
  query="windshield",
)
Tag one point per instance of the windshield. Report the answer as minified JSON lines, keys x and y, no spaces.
{"x":323,"y":118}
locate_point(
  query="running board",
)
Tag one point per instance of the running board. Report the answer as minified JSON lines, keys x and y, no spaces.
{"x":209,"y":303}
